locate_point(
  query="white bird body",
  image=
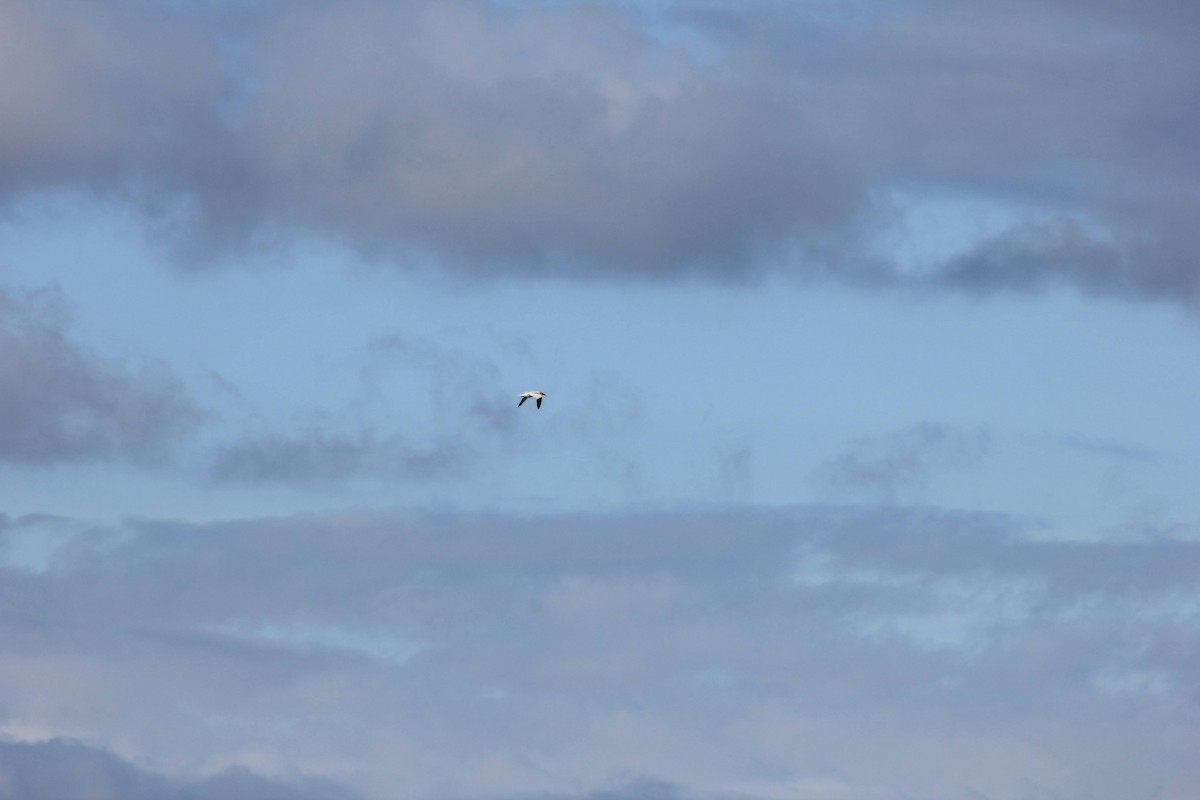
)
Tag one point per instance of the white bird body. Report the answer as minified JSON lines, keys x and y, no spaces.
{"x":531,"y":395}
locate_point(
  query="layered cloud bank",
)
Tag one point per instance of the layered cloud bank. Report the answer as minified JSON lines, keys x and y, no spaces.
{"x":812,"y":652}
{"x":600,"y":139}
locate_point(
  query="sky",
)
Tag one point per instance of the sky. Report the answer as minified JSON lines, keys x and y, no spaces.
{"x":867,"y":468}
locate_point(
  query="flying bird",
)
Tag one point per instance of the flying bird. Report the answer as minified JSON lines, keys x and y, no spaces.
{"x":534,"y":395}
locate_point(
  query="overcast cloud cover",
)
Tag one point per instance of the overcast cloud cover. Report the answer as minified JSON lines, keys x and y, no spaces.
{"x":869,"y":458}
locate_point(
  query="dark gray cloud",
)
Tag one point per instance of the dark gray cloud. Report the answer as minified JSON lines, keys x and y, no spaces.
{"x":835,"y":651}
{"x":59,"y":402}
{"x":593,"y":138}
{"x":123,"y":99}
{"x":535,"y":137}
{"x":61,"y":768}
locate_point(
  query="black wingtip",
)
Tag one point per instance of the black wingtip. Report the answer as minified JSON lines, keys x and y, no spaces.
{"x":539,"y":402}
{"x":523,"y":399}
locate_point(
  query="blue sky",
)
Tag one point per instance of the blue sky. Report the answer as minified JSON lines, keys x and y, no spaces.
{"x":867,"y":466}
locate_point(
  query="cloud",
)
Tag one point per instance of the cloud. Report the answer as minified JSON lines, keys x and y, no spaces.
{"x":641,"y":789}
{"x":531,"y":136}
{"x":735,"y":469}
{"x":325,"y":457}
{"x":885,"y":468}
{"x":871,"y":652}
{"x":59,"y":402}
{"x":62,"y":768}
{"x":594,"y":139}
{"x":414,"y":412}
{"x":449,"y":378}
{"x":122,"y":99}
{"x":450,"y":422}
{"x":1065,"y":253}
{"x":1118,"y":451}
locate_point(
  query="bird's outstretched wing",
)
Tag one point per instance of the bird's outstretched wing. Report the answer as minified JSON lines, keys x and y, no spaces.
{"x":523,"y":399}
{"x":539,"y":405}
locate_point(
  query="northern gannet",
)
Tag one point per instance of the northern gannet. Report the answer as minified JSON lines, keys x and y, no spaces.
{"x":535,"y":395}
